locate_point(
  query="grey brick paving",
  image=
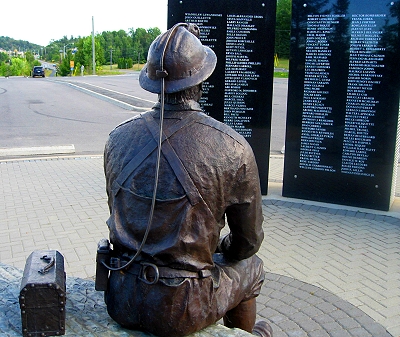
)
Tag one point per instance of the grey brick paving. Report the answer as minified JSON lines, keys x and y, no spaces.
{"x":53,"y":204}
{"x":353,"y":260}
{"x":295,"y":308}
{"x":338,"y":268}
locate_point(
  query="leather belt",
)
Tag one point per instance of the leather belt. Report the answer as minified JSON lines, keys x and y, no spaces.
{"x":150,"y":273}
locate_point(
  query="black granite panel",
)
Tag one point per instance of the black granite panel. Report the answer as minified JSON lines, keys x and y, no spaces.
{"x":343,"y":102}
{"x":239,"y":93}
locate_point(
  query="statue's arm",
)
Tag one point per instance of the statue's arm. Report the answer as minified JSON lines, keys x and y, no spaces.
{"x":244,"y":216}
{"x":107,"y":175}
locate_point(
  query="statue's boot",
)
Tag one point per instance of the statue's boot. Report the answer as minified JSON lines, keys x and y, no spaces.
{"x":262,"y":329}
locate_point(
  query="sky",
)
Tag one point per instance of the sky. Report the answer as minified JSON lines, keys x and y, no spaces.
{"x":40,"y":22}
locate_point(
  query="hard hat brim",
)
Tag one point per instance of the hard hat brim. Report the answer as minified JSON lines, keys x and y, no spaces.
{"x":176,"y":85}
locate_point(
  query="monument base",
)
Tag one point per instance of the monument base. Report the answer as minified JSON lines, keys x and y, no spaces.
{"x":86,"y":313}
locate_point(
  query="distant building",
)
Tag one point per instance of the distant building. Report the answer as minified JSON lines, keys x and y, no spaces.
{"x":12,"y":53}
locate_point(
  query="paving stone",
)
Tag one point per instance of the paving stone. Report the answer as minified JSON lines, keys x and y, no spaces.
{"x":300,"y":304}
{"x":348,"y":323}
{"x":286,"y":310}
{"x":360,"y":332}
{"x":318,"y":333}
{"x":338,"y":250}
{"x":312,"y":311}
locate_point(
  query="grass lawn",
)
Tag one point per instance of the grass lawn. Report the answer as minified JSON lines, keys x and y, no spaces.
{"x":113,"y":70}
{"x":281,"y":64}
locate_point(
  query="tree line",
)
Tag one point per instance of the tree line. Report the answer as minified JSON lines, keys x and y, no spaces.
{"x":124,"y":48}
{"x":116,"y":47}
{"x":9,"y":44}
{"x":17,"y":66}
{"x":282,"y":28}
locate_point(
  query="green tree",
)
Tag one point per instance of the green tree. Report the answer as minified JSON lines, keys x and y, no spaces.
{"x":19,"y":67}
{"x":84,"y":53}
{"x":125,"y":63}
{"x":29,"y":57}
{"x":282,"y":30}
{"x":4,"y":69}
{"x":133,"y":45}
{"x":153,"y":32}
{"x":64,"y":68}
{"x":129,"y":63}
{"x":53,"y":52}
{"x":8,"y":43}
{"x":121,"y":63}
{"x":3,"y":57}
{"x":142,"y":40}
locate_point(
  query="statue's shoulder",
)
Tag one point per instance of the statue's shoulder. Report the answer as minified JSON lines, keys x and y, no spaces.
{"x":224,"y":128}
{"x":129,"y":123}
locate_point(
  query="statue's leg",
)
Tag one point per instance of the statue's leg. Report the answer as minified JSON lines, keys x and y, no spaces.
{"x":243,"y":316}
{"x":240,"y":282}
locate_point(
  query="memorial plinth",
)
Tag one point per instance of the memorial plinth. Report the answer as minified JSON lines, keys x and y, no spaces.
{"x":343,"y":102}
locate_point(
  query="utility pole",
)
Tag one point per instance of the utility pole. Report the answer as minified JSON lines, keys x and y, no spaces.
{"x":93,"y":51}
{"x":111,"y":50}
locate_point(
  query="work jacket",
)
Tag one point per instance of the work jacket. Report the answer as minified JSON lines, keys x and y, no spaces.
{"x":207,"y":176}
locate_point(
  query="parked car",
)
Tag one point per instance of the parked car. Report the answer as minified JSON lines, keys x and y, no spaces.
{"x":38,"y":71}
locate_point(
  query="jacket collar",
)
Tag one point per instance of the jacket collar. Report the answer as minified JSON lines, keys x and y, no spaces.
{"x":190,"y":105}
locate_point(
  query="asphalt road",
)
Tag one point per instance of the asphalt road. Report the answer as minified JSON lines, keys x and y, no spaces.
{"x":83,"y":110}
{"x":49,"y":112}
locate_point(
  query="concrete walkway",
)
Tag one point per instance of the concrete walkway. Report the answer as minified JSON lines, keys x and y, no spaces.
{"x":332,"y":270}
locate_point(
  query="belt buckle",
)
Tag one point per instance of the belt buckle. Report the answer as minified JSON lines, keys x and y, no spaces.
{"x":144,"y":270}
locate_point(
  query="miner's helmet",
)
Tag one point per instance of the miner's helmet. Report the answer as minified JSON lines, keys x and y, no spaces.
{"x":179,"y":57}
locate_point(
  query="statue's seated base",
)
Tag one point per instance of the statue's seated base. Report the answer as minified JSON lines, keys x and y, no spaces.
{"x":86,"y":313}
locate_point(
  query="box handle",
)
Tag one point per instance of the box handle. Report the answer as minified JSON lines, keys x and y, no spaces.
{"x":47,"y":267}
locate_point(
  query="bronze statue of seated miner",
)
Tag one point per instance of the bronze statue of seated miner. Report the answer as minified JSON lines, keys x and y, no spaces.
{"x":170,"y":196}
